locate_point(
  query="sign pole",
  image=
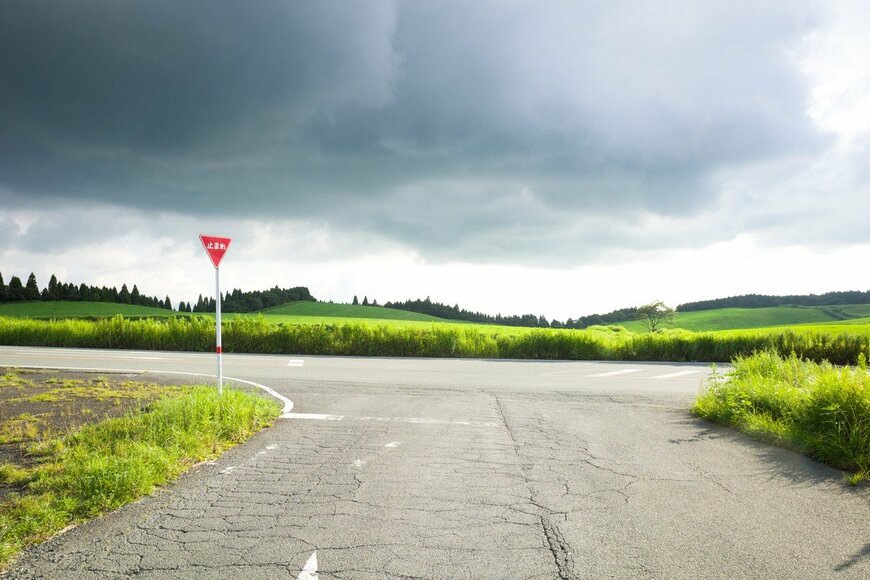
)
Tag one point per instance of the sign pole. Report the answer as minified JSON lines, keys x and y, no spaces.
{"x":217,"y":302}
{"x":216,"y":247}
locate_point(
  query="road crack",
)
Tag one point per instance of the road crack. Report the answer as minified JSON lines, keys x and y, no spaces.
{"x":555,"y":541}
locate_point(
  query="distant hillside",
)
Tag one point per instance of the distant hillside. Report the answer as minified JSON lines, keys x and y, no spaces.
{"x":68,"y":309}
{"x":325,"y":309}
{"x":764,"y":301}
{"x":738,"y":318}
{"x":440,"y":310}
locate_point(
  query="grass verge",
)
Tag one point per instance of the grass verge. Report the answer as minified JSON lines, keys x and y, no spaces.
{"x":105,"y":465}
{"x":816,"y":408}
{"x":260,"y":335}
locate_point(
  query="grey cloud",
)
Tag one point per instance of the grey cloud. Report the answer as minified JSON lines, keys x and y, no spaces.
{"x":421,"y":120}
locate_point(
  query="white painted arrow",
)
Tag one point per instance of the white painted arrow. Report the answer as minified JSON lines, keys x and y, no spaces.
{"x":309,"y":570}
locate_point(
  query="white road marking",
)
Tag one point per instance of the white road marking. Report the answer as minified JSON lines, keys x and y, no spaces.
{"x":295,"y":362}
{"x":313,"y":416}
{"x":678,"y":374}
{"x":288,"y":404}
{"x":411,"y":420}
{"x":614,"y":373}
{"x":113,"y":356}
{"x":309,"y":570}
{"x":271,"y":447}
{"x":358,"y":463}
{"x":228,"y":470}
{"x":392,"y":444}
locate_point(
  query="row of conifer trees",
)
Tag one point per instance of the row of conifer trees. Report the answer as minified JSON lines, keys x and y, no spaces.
{"x":15,"y":291}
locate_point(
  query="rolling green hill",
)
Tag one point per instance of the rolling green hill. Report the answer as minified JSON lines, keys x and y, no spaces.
{"x":736,"y":318}
{"x":64,"y":309}
{"x":325,"y":309}
{"x":852,"y":319}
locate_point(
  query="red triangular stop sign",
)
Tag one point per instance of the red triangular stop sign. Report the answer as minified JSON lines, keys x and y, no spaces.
{"x":215,"y":247}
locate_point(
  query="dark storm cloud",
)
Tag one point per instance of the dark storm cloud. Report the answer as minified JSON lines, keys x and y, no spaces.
{"x":458,"y":127}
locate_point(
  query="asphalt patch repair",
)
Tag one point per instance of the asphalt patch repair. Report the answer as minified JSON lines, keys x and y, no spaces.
{"x":36,"y":405}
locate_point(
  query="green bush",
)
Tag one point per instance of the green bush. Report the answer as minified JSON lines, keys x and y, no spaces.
{"x":818,"y":408}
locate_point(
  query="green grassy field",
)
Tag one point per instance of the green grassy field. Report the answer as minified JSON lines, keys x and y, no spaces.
{"x":62,"y":309}
{"x":744,"y":318}
{"x":730,"y":321}
{"x":327,"y":310}
{"x":297,"y":313}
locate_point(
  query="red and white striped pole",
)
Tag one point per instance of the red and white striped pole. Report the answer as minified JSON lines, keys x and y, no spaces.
{"x":217,"y":311}
{"x":216,"y":247}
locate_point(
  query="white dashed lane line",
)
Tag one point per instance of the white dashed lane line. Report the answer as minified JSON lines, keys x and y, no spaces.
{"x":615,"y":373}
{"x":295,"y":362}
{"x":408,"y":420}
{"x":679,"y":374}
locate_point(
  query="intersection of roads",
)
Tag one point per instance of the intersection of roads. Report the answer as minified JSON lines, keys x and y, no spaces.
{"x":423,"y":468}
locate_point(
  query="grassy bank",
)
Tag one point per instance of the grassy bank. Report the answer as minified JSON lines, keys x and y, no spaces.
{"x":329,"y":310}
{"x":66,"y":309}
{"x":745,"y":318}
{"x":818,"y":409}
{"x":105,"y":465}
{"x":259,"y":335}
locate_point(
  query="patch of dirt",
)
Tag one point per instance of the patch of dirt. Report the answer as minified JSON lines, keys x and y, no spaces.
{"x":37,"y":404}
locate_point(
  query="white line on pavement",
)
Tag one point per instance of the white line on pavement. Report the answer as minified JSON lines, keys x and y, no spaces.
{"x":678,"y":374}
{"x":295,"y":362}
{"x":358,"y":463}
{"x":392,"y":444}
{"x":113,"y":356}
{"x":411,"y":420}
{"x":309,"y":571}
{"x":227,"y":470}
{"x":614,"y":373}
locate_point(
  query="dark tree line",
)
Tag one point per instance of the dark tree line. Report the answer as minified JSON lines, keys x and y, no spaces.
{"x":238,"y":301}
{"x":615,"y":317}
{"x":455,"y":313}
{"x":56,"y":290}
{"x":762,"y":301}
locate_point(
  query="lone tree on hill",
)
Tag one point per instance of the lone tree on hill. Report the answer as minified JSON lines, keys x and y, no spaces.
{"x":355,"y":301}
{"x":654,"y":314}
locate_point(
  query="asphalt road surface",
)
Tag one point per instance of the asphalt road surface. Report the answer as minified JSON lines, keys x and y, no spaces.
{"x":407,"y":468}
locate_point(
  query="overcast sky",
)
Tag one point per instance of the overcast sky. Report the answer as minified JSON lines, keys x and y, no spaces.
{"x":558,"y":158}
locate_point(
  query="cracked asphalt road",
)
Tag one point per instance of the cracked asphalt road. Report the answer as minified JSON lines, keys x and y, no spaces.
{"x":414,"y":468}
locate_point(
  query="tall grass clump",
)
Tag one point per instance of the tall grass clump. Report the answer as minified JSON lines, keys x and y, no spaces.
{"x":260,"y":335}
{"x":105,"y":465}
{"x":818,"y":408}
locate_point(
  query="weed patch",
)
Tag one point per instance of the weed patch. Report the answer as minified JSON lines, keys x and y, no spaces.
{"x":816,"y":408}
{"x":102,"y":466}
